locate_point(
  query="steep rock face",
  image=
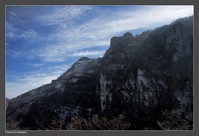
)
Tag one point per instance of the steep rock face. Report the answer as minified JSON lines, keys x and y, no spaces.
{"x":139,"y":76}
{"x":149,"y":70}
{"x":169,"y":58}
{"x":75,"y":87}
{"x":80,"y":88}
{"x":115,"y":71}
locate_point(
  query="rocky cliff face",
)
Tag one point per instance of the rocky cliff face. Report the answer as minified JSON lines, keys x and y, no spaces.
{"x":139,"y":76}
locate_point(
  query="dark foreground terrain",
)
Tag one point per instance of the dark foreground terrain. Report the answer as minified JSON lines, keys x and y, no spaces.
{"x":141,"y":82}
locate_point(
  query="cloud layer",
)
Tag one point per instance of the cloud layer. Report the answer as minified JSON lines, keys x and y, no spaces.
{"x":38,"y":37}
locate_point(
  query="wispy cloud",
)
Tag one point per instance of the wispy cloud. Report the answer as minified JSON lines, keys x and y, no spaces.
{"x":88,"y":53}
{"x":14,"y":32}
{"x":59,"y":34}
{"x":99,"y":30}
{"x":23,"y":83}
{"x":63,"y":15}
{"x":69,"y":37}
{"x":28,"y":34}
{"x":35,"y":64}
{"x":27,"y":83}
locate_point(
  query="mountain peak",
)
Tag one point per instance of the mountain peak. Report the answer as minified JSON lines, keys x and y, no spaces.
{"x":128,"y":34}
{"x":138,"y":74}
{"x":115,"y":40}
{"x":84,"y":59}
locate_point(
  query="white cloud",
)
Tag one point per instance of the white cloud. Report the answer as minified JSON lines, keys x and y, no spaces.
{"x":88,"y":53}
{"x":29,"y":34}
{"x":63,"y":15}
{"x":15,"y":32}
{"x":10,"y":30}
{"x":29,"y":81}
{"x":99,"y":30}
{"x":70,"y":37}
{"x":25,"y":84}
{"x":128,"y":20}
{"x":35,"y":64}
{"x":59,"y":52}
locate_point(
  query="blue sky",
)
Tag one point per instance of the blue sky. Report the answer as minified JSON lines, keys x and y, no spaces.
{"x":42,"y":42}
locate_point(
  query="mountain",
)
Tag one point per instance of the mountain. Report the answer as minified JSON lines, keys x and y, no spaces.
{"x":139,"y":77}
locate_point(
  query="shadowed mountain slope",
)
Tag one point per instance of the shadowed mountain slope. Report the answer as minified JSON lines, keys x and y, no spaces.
{"x":139,"y":76}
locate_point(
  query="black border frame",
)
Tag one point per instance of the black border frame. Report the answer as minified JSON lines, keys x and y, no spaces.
{"x":3,"y":3}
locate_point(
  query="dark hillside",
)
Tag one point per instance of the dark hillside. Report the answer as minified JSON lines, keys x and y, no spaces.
{"x":141,"y":82}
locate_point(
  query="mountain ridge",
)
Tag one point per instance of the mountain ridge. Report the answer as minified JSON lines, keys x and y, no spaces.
{"x":136,"y":76}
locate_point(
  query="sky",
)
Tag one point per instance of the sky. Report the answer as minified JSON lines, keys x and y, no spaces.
{"x":42,"y":42}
